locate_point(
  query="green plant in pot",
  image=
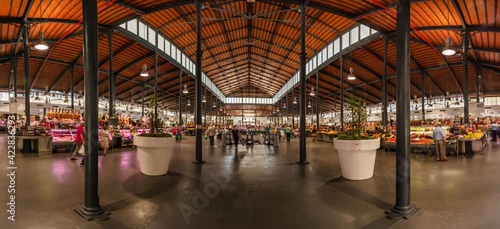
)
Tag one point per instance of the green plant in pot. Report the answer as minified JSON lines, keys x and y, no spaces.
{"x":356,"y":150}
{"x":356,"y":126}
{"x":154,"y":122}
{"x":154,"y":148}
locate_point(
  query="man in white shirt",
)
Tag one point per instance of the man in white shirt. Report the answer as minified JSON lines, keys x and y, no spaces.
{"x":439,"y":139}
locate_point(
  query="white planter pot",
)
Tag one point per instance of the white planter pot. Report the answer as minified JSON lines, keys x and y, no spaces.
{"x":357,"y":157}
{"x":154,"y":154}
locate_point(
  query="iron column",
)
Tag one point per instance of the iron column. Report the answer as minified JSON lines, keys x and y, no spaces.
{"x":26,"y":75}
{"x":91,"y":208}
{"x":14,"y":71}
{"x":72,"y":87}
{"x":402,"y":208}
{"x":465,"y":63}
{"x":112,"y":78}
{"x":384,"y":85}
{"x":341,"y":91}
{"x":303,"y":55}
{"x":199,"y":55}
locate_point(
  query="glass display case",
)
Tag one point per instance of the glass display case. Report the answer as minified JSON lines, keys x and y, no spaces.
{"x":63,"y":139}
{"x":63,"y":136}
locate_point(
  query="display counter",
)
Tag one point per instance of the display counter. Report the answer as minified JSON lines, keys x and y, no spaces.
{"x":34,"y":144}
{"x":63,"y":138}
{"x":326,"y":136}
{"x":477,"y":143}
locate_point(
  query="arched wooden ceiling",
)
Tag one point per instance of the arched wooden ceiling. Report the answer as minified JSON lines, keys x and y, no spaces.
{"x":252,"y":49}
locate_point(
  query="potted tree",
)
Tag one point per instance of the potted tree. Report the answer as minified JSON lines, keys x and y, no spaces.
{"x":154,"y":148}
{"x":356,"y":149}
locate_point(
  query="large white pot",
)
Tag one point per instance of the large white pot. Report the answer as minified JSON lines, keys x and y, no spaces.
{"x":154,"y":154}
{"x":357,"y":157}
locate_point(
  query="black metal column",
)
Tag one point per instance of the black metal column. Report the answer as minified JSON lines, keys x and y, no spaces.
{"x":26,"y":75}
{"x":384,"y":85}
{"x":403,"y":208}
{"x":465,"y":63}
{"x":477,"y":70}
{"x":303,"y":107}
{"x":341,"y":91}
{"x":199,"y":55}
{"x":317,"y":101}
{"x":155,"y":98}
{"x":72,"y":79}
{"x":142,"y":99}
{"x":91,"y":208}
{"x":14,"y":71}
{"x":112,"y":77}
{"x":181,"y":122}
{"x":293,"y":108}
{"x":423,"y":96}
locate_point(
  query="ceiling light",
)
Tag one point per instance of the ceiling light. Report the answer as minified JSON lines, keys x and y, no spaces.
{"x":309,"y":105}
{"x":204,"y":100}
{"x":185,"y":91}
{"x":144,"y":72}
{"x":294,"y":100}
{"x":351,"y":75}
{"x":312,"y":92}
{"x":214,"y":105}
{"x":447,"y":50}
{"x":46,"y":91}
{"x":189,"y":103}
{"x":284,"y":105}
{"x":41,"y":44}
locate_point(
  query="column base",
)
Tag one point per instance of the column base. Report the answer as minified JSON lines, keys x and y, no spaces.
{"x":303,"y":162}
{"x":92,"y":213}
{"x":398,"y":212}
{"x":198,"y":162}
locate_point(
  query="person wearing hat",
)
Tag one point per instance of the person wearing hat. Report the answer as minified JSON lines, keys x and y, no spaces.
{"x":80,"y":133}
{"x":439,"y":139}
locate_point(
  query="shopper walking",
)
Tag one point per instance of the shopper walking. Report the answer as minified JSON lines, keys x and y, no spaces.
{"x":80,"y":133}
{"x":211,"y":134}
{"x":105,"y":139}
{"x":133,"y":132}
{"x":439,"y":139}
{"x":288,"y":132}
{"x":236,"y":135}
{"x":494,"y":131}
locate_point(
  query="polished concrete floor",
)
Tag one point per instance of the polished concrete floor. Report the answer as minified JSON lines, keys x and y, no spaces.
{"x":256,"y":187}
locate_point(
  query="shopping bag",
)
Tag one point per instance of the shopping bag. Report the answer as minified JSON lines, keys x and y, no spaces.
{"x":81,"y":151}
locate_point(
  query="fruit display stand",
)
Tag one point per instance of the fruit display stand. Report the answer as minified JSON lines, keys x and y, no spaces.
{"x":416,"y":144}
{"x":477,"y":139}
{"x":326,"y":136}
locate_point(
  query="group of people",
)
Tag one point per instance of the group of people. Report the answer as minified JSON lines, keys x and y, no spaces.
{"x":104,"y":143}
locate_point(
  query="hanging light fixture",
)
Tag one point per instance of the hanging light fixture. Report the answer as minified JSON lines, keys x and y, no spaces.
{"x":312,"y":92}
{"x":351,"y":75}
{"x":284,"y":105}
{"x":309,"y":104}
{"x":41,"y":44}
{"x":185,"y":90}
{"x":144,"y":72}
{"x":36,"y":96}
{"x":213,"y":105}
{"x":189,"y":103}
{"x":294,"y":100}
{"x":204,"y":100}
{"x":447,"y":98}
{"x":448,"y":50}
{"x":46,"y":93}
